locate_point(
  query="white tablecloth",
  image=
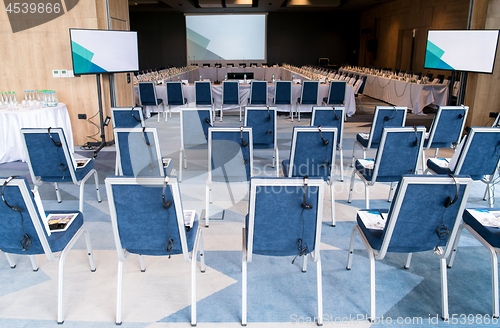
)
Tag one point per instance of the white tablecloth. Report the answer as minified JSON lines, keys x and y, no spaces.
{"x":11,"y":122}
{"x":400,"y":93}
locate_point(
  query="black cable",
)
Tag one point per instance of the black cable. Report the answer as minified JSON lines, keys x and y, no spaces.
{"x":169,"y":245}
{"x":301,"y":244}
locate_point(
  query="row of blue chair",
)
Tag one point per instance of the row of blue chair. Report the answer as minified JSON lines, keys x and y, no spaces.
{"x":295,"y":204}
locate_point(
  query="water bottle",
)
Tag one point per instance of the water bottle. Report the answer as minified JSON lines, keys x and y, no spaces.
{"x":200,"y":77}
{"x":245,"y":78}
{"x":14,"y":99}
{"x":2,"y":100}
{"x":225,"y":77}
{"x":56,"y":101}
{"x":178,"y":77}
{"x":273,"y":78}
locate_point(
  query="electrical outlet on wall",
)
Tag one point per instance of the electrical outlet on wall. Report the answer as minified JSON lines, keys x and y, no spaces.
{"x":56,"y":73}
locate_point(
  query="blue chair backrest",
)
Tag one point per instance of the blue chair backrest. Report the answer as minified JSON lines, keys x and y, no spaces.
{"x":203,"y":92}
{"x":447,"y":126}
{"x":11,"y":226}
{"x":258,"y":93}
{"x":147,"y":94}
{"x":137,"y":158}
{"x":282,"y":203}
{"x":47,"y":160}
{"x":143,"y":224}
{"x":398,"y":153}
{"x":228,"y":153}
{"x":310,"y":92}
{"x":336,"y":93}
{"x":195,"y":126}
{"x":385,"y":117}
{"x":480,"y":153}
{"x":262,"y":123}
{"x":309,"y":152}
{"x":127,"y":117}
{"x":417,"y":220}
{"x":283,"y":92}
{"x":329,"y":117}
{"x":174,"y":94}
{"x":230,"y":93}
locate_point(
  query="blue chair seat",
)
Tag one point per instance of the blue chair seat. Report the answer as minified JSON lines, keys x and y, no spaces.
{"x":490,"y":234}
{"x":80,"y":173}
{"x":437,"y":144}
{"x":432,"y":165}
{"x":282,"y":102}
{"x":178,"y":102}
{"x":57,"y":240}
{"x":374,"y":236}
{"x":364,"y":141}
{"x":367,"y":173}
{"x":160,"y":101}
{"x":286,"y":168}
{"x":190,"y":237}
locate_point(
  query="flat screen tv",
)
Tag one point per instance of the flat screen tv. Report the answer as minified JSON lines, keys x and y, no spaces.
{"x":461,"y":50}
{"x":103,"y":51}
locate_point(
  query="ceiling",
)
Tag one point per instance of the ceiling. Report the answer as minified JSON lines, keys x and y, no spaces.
{"x":238,"y":6}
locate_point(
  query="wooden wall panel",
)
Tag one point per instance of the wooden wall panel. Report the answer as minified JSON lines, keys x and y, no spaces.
{"x":28,"y":58}
{"x":398,"y":16}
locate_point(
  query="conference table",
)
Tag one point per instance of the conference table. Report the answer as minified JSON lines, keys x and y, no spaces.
{"x":189,"y":93}
{"x":401,"y":93}
{"x":13,"y":120}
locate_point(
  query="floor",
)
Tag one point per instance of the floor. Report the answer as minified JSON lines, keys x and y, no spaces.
{"x":280,"y":295}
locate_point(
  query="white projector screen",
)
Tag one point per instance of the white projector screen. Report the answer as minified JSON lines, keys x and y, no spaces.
{"x":226,"y":37}
{"x":461,"y":50}
{"x":103,"y":51}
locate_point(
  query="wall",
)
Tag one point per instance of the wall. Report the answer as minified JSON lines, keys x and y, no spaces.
{"x":482,"y":94}
{"x":28,"y":58}
{"x":293,"y":38}
{"x":392,"y":26}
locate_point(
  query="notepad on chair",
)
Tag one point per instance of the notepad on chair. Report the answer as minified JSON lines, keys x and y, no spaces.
{"x":486,"y":218}
{"x":189,"y":216}
{"x":372,"y":219}
{"x":367,"y":163}
{"x":60,"y":222}
{"x":364,"y":135}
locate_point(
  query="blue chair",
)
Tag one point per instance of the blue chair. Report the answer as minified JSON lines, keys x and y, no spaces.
{"x":127,"y":117}
{"x":478,"y":155}
{"x":194,"y":132}
{"x":175,"y":96}
{"x":308,"y":96}
{"x":313,"y":155}
{"x":258,"y":93}
{"x":230,"y":95}
{"x":383,"y":117}
{"x":397,"y":155}
{"x":203,"y":94}
{"x":283,"y":94}
{"x":22,"y":220}
{"x":230,"y":159}
{"x":483,"y":225}
{"x":157,"y":202}
{"x":332,"y":117}
{"x":50,"y":160}
{"x":336,"y":93}
{"x":296,"y":208}
{"x":412,"y":225}
{"x":263,"y":121}
{"x":138,"y":153}
{"x":147,"y":97}
{"x":446,"y":129}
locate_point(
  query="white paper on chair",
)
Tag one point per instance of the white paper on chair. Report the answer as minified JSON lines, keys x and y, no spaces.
{"x":60,"y":222}
{"x":367,"y":163}
{"x":364,"y":135}
{"x":166,"y":161}
{"x":41,"y":210}
{"x":441,"y":162}
{"x":189,"y":216}
{"x":372,"y":219}
{"x":486,"y":218}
